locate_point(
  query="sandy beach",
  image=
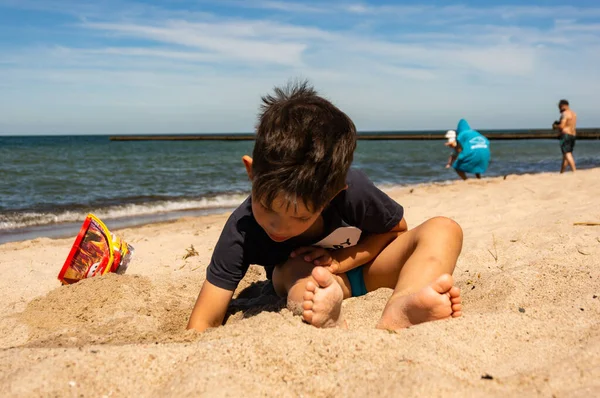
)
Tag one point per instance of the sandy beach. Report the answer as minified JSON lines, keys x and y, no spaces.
{"x":530,"y":281}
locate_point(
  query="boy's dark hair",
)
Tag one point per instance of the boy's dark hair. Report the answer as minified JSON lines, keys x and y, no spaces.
{"x":563,"y":102}
{"x":304,"y":147}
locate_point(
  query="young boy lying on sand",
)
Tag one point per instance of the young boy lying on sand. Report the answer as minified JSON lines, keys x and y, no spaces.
{"x":323,"y":231}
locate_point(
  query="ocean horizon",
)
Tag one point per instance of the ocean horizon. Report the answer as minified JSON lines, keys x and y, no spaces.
{"x":250,"y":133}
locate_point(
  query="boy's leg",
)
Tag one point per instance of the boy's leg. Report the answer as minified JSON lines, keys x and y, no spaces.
{"x":564,"y":164}
{"x":418,"y":266}
{"x":312,"y":291}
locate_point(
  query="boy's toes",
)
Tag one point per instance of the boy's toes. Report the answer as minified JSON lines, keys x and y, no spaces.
{"x":307,"y":315}
{"x":454,"y":293}
{"x":307,"y":305}
{"x":308,"y":295}
{"x":456,"y":302}
{"x":443,"y":284}
{"x":322,"y":276}
{"x":311,"y":287}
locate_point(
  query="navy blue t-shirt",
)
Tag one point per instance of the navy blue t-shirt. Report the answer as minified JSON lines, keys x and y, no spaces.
{"x":243,"y":242}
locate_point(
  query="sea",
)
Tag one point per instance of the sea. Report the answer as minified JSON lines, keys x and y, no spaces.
{"x":48,"y":184}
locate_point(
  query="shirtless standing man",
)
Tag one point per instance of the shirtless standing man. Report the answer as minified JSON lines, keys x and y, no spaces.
{"x":567,"y":128}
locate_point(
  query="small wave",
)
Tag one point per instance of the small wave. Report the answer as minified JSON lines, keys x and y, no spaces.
{"x":18,"y":220}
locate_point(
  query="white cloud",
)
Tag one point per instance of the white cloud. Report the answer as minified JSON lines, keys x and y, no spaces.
{"x":410,"y":73}
{"x":146,"y":52}
{"x":358,"y":9}
{"x":452,"y":12}
{"x":203,"y":37}
{"x":286,"y":6}
{"x":133,"y":70}
{"x":571,"y":26}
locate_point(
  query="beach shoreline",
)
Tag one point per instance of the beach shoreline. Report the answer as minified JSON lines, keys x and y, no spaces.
{"x":529,"y":279}
{"x":61,"y":230}
{"x":163,"y":180}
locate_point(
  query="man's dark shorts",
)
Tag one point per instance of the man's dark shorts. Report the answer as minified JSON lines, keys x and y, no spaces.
{"x":567,"y":143}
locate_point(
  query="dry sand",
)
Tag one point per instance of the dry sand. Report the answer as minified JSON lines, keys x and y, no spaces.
{"x":529,"y":277}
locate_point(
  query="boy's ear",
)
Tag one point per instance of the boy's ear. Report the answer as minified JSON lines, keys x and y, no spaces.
{"x":338,"y":192}
{"x":247,"y":160}
{"x":343,"y":189}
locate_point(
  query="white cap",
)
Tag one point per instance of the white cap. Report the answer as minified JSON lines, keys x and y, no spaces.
{"x":451,"y":135}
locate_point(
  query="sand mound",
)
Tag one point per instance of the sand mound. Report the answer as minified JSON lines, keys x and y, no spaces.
{"x":121,"y":309}
{"x":113,"y":309}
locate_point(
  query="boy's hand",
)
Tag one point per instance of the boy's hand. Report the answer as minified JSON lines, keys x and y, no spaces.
{"x":313,"y":254}
{"x":317,"y":256}
{"x":334,"y":267}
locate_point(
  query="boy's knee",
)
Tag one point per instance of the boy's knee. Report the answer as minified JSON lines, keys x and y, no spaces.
{"x":286,"y":275}
{"x":446,"y":225}
{"x":296,"y":268}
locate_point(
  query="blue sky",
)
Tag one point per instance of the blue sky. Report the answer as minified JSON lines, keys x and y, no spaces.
{"x":119,"y":67}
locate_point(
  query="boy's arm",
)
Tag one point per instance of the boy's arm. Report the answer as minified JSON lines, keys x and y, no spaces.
{"x":343,"y":260}
{"x":366,"y":250}
{"x":210,"y":308}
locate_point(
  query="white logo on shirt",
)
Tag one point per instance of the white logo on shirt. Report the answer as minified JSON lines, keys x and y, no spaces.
{"x":340,"y":238}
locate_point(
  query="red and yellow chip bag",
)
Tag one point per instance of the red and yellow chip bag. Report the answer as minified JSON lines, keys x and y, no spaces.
{"x":96,"y":251}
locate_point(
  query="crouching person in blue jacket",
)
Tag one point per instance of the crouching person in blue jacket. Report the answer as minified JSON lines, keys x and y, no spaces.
{"x":473,"y":151}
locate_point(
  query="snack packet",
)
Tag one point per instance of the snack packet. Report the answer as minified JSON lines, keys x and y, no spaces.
{"x":96,"y":251}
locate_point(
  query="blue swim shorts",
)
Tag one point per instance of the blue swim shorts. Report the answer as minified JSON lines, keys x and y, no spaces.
{"x":357,"y":281}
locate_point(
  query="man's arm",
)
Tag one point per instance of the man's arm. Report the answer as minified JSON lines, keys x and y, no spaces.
{"x":210,"y":308}
{"x":563,"y":120}
{"x":367,"y":249}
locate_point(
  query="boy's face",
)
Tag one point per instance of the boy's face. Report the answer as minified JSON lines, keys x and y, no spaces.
{"x":283,"y":221}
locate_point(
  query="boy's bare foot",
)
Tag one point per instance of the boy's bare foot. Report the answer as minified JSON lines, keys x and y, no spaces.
{"x":322,"y":302}
{"x":439,"y":300}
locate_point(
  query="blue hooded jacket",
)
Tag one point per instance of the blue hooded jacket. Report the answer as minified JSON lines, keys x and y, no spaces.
{"x":475,"y":155}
